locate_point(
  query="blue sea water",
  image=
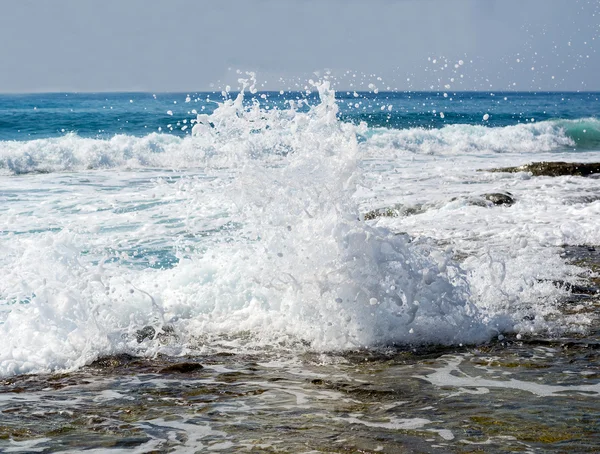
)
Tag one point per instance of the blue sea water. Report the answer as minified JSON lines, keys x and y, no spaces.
{"x":102,"y":115}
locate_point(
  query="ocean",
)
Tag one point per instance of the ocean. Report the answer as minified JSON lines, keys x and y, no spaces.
{"x":307,"y":271}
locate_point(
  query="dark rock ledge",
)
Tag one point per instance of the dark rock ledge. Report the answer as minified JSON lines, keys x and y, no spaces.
{"x":553,"y":169}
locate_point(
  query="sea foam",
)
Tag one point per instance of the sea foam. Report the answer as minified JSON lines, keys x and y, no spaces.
{"x":156,"y":150}
{"x":271,"y":249}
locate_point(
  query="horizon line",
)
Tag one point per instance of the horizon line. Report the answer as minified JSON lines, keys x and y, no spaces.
{"x":278,"y":92}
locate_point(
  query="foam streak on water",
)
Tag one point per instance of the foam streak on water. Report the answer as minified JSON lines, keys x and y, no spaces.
{"x":250,"y":235}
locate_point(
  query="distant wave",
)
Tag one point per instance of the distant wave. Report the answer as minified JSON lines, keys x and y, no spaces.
{"x":546,"y":136}
{"x":74,"y":153}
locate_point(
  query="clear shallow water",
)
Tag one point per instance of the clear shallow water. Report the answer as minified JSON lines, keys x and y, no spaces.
{"x":504,"y":397}
{"x":244,"y":234}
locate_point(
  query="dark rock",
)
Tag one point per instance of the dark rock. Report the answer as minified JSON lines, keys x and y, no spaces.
{"x":394,"y":212}
{"x":577,"y":289}
{"x":112,"y":362}
{"x":554,"y":169}
{"x":381,"y":212}
{"x":588,"y":257}
{"x":475,"y":201}
{"x":181,"y":368}
{"x":485,"y":200}
{"x":500,"y":198}
{"x":488,"y":200}
{"x":148,"y":332}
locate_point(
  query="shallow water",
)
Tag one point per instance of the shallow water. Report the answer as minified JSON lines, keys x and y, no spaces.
{"x":510,"y":396}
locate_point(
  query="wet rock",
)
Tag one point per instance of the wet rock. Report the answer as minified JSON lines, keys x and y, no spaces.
{"x":394,"y":212}
{"x":381,"y":212}
{"x":476,"y":201}
{"x":577,"y":289}
{"x":149,"y":332}
{"x":584,"y":294}
{"x":554,"y":169}
{"x":488,"y":200}
{"x":500,"y":198}
{"x":112,"y":362}
{"x":588,"y":257}
{"x":485,"y":201}
{"x":181,"y":368}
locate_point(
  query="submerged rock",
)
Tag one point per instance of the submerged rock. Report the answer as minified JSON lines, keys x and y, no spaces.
{"x":394,"y":212}
{"x":485,"y":200}
{"x":553,"y":169}
{"x":585,"y":292}
{"x":148,"y":332}
{"x":488,"y":200}
{"x":500,"y":198}
{"x":585,"y":199}
{"x":576,"y":289}
{"x":588,"y":257}
{"x":181,"y":368}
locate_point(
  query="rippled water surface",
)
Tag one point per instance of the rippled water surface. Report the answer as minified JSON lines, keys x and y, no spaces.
{"x":509,"y":396}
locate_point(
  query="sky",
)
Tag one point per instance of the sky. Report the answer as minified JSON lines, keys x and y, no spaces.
{"x":182,"y":45}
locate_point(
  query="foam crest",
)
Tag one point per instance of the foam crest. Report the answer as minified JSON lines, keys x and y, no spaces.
{"x":74,"y":153}
{"x":238,"y":127}
{"x":302,"y":268}
{"x":310,"y":270}
{"x":529,"y":138}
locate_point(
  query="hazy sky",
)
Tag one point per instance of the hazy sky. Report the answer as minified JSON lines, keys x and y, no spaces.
{"x":181,"y":45}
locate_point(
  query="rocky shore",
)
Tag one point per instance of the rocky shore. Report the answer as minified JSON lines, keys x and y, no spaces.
{"x":553,"y":169}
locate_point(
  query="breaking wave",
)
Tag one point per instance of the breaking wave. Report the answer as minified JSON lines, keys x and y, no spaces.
{"x":299,"y":269}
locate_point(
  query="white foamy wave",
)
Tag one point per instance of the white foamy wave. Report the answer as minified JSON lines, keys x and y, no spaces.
{"x":72,"y":153}
{"x":299,"y":267}
{"x":220,"y":137}
{"x":474,"y":139}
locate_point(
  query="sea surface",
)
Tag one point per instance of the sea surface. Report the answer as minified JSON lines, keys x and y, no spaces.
{"x":310,"y":271}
